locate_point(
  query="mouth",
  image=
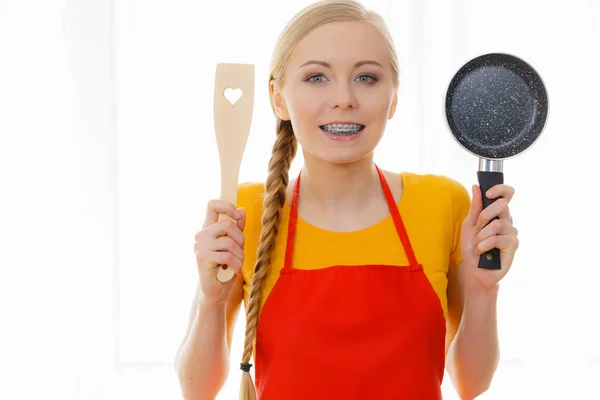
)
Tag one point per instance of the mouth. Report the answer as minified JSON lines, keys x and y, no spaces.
{"x":349,"y":129}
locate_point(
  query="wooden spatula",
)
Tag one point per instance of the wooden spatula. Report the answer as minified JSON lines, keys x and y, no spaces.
{"x":233,"y":106}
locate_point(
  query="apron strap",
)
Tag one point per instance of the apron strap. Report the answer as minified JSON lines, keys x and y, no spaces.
{"x":293,"y":220}
{"x":400,"y":228}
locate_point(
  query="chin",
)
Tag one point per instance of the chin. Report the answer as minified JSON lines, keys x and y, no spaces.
{"x":342,"y":157}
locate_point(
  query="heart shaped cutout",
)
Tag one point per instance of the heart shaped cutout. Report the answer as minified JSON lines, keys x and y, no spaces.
{"x":233,"y":95}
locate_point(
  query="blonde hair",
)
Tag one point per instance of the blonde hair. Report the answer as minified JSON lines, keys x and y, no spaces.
{"x":284,"y":150}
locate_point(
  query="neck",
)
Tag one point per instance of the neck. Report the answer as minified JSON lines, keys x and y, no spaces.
{"x":347,"y":187}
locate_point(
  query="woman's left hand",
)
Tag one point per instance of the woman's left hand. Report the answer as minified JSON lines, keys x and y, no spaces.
{"x":478,"y":236}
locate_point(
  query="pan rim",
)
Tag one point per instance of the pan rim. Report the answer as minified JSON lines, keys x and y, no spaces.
{"x":473,"y":60}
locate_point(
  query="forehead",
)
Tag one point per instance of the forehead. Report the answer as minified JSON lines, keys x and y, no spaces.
{"x":341,"y":42}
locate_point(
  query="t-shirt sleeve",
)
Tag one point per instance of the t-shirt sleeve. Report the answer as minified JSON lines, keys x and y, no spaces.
{"x":250,"y":196}
{"x":461,"y":203}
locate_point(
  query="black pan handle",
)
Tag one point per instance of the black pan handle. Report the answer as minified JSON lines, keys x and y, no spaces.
{"x":487,"y":180}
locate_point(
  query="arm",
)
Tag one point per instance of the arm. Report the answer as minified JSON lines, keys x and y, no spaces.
{"x":202,"y":361}
{"x":472,"y":335}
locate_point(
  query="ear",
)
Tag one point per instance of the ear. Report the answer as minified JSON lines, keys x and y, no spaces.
{"x":393,"y":105}
{"x":278,"y":101}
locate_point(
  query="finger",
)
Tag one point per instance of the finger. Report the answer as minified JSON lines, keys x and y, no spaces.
{"x":504,"y":191}
{"x":216,"y":207}
{"x":476,"y":206}
{"x":498,"y":208}
{"x":241,"y":223}
{"x":219,"y":258}
{"x":225,"y":243}
{"x":228,"y":228}
{"x":496,"y":227}
{"x":507,"y":243}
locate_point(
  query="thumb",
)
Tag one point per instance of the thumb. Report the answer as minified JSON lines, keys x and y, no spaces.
{"x":476,"y":206}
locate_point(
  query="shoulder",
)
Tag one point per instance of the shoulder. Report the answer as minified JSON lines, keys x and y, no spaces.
{"x":441,"y":185}
{"x":438,"y":192}
{"x":250,"y":197}
{"x":431,"y":180}
{"x":250,"y":193}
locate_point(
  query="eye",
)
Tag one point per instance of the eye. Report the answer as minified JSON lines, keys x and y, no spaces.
{"x":310,"y":78}
{"x":372,"y":78}
{"x":364,"y":78}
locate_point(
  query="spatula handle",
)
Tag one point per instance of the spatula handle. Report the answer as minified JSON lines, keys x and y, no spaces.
{"x":224,"y":273}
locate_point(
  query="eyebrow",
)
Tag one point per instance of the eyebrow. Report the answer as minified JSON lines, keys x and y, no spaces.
{"x":325,"y":64}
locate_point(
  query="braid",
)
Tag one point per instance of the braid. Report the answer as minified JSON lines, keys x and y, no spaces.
{"x":284,"y":151}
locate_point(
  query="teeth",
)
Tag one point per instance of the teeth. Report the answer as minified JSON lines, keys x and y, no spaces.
{"x":343,"y":129}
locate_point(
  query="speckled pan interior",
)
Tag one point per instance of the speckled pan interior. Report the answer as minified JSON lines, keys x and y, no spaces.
{"x":496,"y":106}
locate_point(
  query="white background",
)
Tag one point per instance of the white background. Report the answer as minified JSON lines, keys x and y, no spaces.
{"x":108,"y":158}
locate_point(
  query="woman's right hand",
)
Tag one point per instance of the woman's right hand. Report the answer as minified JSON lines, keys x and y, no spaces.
{"x":219,"y":243}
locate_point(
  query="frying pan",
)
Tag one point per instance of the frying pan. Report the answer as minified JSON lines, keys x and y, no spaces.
{"x":496,"y":108}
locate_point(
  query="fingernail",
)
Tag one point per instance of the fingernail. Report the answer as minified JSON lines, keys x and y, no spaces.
{"x":489,"y":194}
{"x":237,"y":214}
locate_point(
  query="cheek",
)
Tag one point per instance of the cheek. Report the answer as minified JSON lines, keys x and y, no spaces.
{"x":378,"y":104}
{"x":305,"y":108}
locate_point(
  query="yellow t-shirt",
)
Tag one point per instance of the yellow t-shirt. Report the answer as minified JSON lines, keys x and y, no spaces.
{"x":432,"y":208}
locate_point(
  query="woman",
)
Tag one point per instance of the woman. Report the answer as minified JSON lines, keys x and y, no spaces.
{"x":358,"y":283}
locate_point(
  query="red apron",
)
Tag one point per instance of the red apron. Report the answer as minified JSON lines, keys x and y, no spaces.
{"x":351,"y":332}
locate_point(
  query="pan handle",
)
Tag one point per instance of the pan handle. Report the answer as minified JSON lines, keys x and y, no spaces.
{"x":487,"y":180}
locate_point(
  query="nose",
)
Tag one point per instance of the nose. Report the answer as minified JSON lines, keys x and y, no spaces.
{"x":343,"y":96}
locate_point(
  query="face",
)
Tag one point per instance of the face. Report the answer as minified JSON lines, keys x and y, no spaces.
{"x":340,"y":73}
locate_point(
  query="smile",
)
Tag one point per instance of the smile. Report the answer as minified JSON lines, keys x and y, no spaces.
{"x":342,"y":129}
